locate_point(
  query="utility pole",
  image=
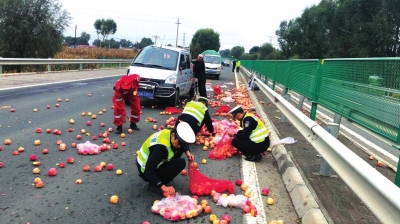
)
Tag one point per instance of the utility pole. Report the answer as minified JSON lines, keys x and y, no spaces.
{"x":183,"y":40}
{"x":177,"y":28}
{"x":270,"y":39}
{"x":75,"y":35}
{"x":155,"y":39}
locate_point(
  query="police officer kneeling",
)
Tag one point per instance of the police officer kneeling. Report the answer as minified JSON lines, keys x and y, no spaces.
{"x":196,"y":115}
{"x":254,"y":138}
{"x":159,"y":159}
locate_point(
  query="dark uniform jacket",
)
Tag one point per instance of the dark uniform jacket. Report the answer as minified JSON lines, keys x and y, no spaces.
{"x":199,"y":70}
{"x":249,"y":125}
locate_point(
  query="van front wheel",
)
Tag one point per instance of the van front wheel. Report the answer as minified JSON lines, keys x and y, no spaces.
{"x":175,"y":98}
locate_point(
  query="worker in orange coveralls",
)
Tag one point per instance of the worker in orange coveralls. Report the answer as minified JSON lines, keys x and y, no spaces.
{"x":126,"y":88}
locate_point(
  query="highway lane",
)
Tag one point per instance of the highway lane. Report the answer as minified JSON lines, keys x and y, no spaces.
{"x":61,"y":200}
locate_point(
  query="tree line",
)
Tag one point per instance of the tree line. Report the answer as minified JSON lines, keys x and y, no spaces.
{"x":343,"y":29}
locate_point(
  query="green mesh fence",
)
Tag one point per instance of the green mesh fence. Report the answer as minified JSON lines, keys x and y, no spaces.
{"x":366,"y":91}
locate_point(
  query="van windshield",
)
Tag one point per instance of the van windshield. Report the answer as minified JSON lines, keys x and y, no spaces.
{"x":212,"y":59}
{"x":156,"y":57}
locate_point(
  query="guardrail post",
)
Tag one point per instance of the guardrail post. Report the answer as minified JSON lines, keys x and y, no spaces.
{"x":286,"y":96}
{"x":337,"y":118}
{"x":119,"y":66}
{"x":49,"y":67}
{"x":1,"y":68}
{"x":397,"y":180}
{"x":273,"y":85}
{"x":325,"y":169}
{"x":301,"y":101}
{"x":80,"y":67}
{"x":102,"y":65}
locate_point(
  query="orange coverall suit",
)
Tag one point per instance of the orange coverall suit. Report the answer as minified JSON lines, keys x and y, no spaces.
{"x":126,"y":88}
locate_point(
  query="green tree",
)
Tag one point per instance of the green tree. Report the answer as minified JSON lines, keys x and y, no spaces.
{"x":83,"y":39}
{"x":225,"y":53}
{"x":31,"y":28}
{"x":204,"y":39}
{"x":126,"y":43}
{"x":265,"y":50}
{"x":105,"y":27}
{"x":254,"y":50}
{"x":237,"y":51}
{"x":97,"y":26}
{"x":145,"y":42}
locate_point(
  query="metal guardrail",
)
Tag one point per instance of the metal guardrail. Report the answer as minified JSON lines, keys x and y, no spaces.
{"x":378,"y":193}
{"x":49,"y":62}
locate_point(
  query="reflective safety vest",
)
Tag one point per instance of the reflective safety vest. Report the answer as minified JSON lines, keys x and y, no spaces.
{"x":159,"y":138}
{"x":260,"y":132}
{"x":196,"y":109}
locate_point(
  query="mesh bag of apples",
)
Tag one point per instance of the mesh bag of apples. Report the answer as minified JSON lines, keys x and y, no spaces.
{"x":200,"y":184}
{"x":217,"y":90}
{"x":88,"y":148}
{"x":172,"y":110}
{"x":177,"y":208}
{"x":224,"y":148}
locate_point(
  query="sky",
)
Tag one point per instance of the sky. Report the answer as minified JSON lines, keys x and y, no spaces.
{"x":240,"y":23}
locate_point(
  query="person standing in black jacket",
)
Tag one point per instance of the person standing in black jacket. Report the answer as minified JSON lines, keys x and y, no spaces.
{"x":233,"y":65}
{"x":199,"y":69}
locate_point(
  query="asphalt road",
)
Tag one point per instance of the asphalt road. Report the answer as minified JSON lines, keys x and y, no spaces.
{"x":61,"y":200}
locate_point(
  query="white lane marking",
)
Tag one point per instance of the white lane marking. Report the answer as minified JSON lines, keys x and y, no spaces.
{"x":250,"y":177}
{"x":50,"y":83}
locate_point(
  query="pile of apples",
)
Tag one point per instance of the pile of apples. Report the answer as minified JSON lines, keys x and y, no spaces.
{"x":177,"y":208}
{"x":88,"y":148}
{"x":170,"y":123}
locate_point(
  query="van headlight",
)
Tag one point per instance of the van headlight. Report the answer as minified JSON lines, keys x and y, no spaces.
{"x":171,"y":79}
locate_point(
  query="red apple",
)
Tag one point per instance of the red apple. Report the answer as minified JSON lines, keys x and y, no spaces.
{"x":86,"y":167}
{"x":88,"y":123}
{"x":184,"y":172}
{"x":38,"y":130}
{"x":12,"y":109}
{"x":102,"y":125}
{"x":123,"y":143}
{"x":7,"y":142}
{"x":253,"y":212}
{"x":48,"y":106}
{"x":380,"y":163}
{"x":98,"y":168}
{"x":246,"y":209}
{"x":61,"y":165}
{"x":1,"y":147}
{"x":115,"y":146}
{"x":32,"y":157}
{"x":207,"y":209}
{"x":78,"y":137}
{"x":1,"y":164}
{"x":226,"y":217}
{"x":57,"y":105}
{"x":73,"y":145}
{"x":110,"y":129}
{"x":239,"y":182}
{"x":94,"y":137}
{"x":70,"y":129}
{"x":265,"y":191}
{"x":52,"y":172}
{"x":70,"y":159}
{"x":48,"y":130}
{"x":45,"y":151}
{"x":15,"y":153}
{"x":110,"y":166}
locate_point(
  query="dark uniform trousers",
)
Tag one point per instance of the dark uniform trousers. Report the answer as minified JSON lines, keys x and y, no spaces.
{"x":249,"y":148}
{"x":168,"y":170}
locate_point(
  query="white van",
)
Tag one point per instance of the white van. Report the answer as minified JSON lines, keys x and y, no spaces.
{"x":213,"y":65}
{"x":165,"y":73}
